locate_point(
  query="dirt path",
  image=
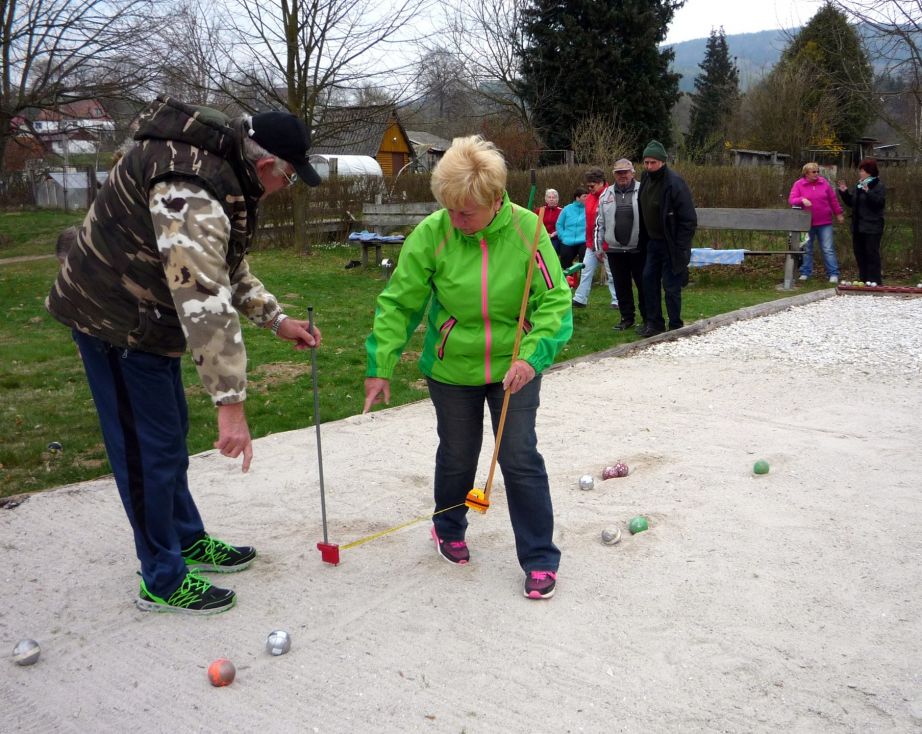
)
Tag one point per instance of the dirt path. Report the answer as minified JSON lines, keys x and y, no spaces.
{"x":24,"y":259}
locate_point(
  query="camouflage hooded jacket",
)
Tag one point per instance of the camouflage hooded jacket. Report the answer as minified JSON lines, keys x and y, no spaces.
{"x":159,"y":261}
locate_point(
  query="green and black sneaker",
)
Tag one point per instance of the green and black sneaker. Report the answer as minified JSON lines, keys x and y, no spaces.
{"x":211,"y":554}
{"x":195,"y":595}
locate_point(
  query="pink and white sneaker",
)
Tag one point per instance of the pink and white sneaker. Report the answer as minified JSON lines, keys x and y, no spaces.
{"x":540,"y":584}
{"x":453,"y":551}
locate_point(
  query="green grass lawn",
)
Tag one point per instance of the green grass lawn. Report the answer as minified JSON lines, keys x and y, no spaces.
{"x":44,"y":396}
{"x":31,"y":232}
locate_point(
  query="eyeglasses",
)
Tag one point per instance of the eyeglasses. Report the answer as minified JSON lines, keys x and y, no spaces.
{"x":291,"y":179}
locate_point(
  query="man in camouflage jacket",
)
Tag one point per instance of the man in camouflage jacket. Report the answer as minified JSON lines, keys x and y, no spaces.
{"x":158,"y":267}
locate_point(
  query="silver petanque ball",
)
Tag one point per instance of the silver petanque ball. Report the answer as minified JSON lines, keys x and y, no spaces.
{"x":586,"y":481}
{"x":611,"y":536}
{"x":26,"y":652}
{"x":278,"y":642}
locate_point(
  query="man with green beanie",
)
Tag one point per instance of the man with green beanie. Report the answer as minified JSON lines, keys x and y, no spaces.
{"x":667,"y":226}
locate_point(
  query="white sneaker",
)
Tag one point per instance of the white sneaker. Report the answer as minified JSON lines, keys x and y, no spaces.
{"x":833,"y":278}
{"x":803,"y":277}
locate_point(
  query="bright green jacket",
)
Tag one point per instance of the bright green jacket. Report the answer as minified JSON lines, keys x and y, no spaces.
{"x":475,"y":285}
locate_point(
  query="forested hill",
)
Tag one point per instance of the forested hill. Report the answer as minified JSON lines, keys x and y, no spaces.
{"x":756,"y":54}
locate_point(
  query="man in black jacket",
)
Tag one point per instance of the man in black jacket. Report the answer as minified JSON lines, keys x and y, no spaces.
{"x":667,"y":226}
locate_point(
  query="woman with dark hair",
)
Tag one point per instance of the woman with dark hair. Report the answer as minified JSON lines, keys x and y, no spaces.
{"x":867,"y":205}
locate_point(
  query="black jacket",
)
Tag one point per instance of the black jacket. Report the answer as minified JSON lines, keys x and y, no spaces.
{"x":679,"y":219}
{"x":867,"y":207}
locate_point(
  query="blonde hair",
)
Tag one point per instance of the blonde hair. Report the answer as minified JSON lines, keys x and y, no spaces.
{"x":811,"y":166}
{"x":472,"y":168}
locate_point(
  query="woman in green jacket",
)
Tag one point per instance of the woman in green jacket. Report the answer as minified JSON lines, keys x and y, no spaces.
{"x":468,"y":263}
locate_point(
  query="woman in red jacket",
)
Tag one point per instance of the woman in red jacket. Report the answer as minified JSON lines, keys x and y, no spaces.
{"x":552,"y":211}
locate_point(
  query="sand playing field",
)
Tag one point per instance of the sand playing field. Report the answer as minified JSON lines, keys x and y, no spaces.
{"x":785,"y":602}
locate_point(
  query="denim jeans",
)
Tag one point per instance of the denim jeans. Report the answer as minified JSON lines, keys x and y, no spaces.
{"x":142,"y":412}
{"x":459,"y":418}
{"x":590,"y":263}
{"x":823,"y":233}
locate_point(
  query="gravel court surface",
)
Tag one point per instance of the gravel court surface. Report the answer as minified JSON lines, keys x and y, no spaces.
{"x":787,"y":601}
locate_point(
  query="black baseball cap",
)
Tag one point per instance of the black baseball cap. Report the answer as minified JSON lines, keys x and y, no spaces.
{"x":287,"y":137}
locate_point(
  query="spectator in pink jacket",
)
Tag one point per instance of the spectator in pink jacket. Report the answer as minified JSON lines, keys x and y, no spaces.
{"x":815,"y":194}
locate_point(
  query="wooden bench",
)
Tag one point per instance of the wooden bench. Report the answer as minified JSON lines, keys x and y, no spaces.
{"x":792,"y":221}
{"x":384,"y":218}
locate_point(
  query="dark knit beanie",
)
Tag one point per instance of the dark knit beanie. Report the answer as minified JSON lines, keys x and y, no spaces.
{"x":656,"y":150}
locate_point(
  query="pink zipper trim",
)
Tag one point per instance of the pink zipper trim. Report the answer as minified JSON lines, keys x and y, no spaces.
{"x":484,"y":311}
{"x":445,"y":330}
{"x":542,"y":266}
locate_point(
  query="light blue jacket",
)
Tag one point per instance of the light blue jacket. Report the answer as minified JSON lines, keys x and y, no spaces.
{"x":571,"y":225}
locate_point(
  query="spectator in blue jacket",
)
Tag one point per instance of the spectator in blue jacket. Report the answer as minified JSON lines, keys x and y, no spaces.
{"x":571,"y":227}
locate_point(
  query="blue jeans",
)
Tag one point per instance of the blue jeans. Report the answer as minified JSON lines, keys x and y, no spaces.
{"x":459,"y":420}
{"x":823,"y":233}
{"x":143,"y":415}
{"x":591,"y":262}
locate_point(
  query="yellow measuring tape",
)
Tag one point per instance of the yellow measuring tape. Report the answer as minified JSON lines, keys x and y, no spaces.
{"x":397,"y":527}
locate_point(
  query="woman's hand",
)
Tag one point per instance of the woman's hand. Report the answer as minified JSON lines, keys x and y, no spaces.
{"x":376,"y":390}
{"x":806,"y":203}
{"x":518,"y":376}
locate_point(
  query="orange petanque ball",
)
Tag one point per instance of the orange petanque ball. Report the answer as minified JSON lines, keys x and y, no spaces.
{"x":221,"y":672}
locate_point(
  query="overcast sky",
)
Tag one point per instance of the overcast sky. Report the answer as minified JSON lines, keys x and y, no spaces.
{"x":698,"y":17}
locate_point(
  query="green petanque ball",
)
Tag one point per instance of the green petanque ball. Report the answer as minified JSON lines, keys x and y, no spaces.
{"x":761,"y":467}
{"x":638,"y":524}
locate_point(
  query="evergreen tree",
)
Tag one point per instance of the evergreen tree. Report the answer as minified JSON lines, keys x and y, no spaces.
{"x":831,"y":51}
{"x":715,"y":99}
{"x":601,"y":58}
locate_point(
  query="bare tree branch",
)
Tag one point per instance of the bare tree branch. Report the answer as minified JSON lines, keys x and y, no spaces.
{"x":896,"y":35}
{"x":301,"y":54}
{"x":55,"y":51}
{"x":487,"y":36}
